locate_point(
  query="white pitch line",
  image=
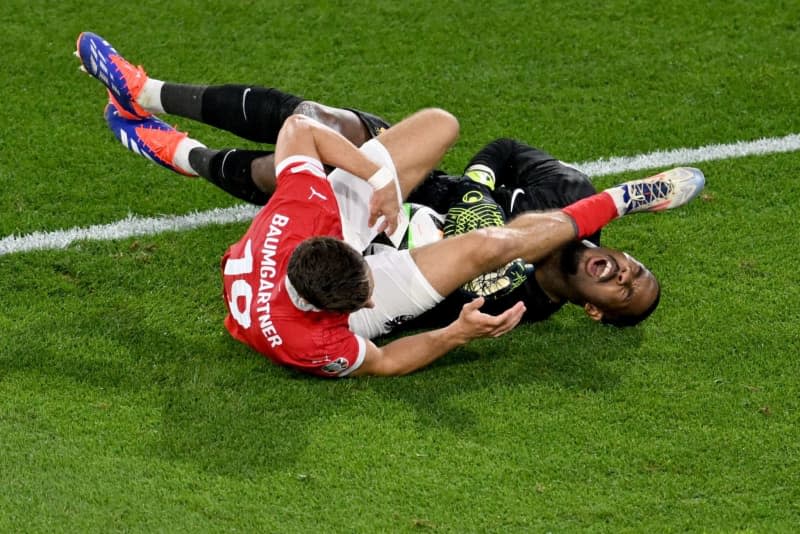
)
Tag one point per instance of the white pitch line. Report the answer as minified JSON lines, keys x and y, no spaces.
{"x":683,"y":156}
{"x":133,"y":226}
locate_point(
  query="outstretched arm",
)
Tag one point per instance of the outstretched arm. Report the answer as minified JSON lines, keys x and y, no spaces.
{"x":302,"y":136}
{"x":408,"y":354}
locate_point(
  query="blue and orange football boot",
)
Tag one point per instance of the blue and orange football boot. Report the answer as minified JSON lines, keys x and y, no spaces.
{"x":148,"y":136}
{"x":123,"y":80}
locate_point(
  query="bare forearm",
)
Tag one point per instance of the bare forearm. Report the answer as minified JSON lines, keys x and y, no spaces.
{"x":302,"y":135}
{"x":336,"y":151}
{"x":414,"y":352}
{"x":410,"y":353}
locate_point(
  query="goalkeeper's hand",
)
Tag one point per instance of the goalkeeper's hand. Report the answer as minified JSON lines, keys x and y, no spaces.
{"x":477,"y":209}
{"x":501,"y":282}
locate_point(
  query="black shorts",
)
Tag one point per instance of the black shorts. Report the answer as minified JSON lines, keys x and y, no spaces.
{"x":374,"y":124}
{"x":540,"y":182}
{"x":529,"y":180}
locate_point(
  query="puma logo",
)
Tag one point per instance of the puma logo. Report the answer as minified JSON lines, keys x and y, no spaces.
{"x":315,"y":193}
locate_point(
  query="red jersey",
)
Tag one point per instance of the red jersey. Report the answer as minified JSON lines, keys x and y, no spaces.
{"x":263,"y":311}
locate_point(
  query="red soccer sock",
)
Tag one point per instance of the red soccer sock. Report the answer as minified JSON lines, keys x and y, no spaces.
{"x":592,"y":213}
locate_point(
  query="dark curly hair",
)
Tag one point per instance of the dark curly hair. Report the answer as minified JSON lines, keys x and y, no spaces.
{"x":330,"y":274}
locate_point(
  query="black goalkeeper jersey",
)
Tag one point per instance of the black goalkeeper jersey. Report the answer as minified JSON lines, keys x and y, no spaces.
{"x":526,"y":179}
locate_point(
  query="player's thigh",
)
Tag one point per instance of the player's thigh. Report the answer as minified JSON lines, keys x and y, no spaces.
{"x":418,"y":143}
{"x":450,"y":263}
{"x":346,"y":122}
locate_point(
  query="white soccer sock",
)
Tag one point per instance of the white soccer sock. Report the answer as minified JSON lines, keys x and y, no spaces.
{"x":181,"y":157}
{"x":150,"y":96}
{"x":617,"y":194}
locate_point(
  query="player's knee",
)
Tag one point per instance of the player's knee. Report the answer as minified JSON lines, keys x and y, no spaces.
{"x":445,"y":121}
{"x":320,"y":113}
{"x":312,"y":109}
{"x":343,"y":121}
{"x":493,"y":245}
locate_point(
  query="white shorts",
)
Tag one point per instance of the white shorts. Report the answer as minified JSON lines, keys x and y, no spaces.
{"x":401,"y":291}
{"x":353,"y":195}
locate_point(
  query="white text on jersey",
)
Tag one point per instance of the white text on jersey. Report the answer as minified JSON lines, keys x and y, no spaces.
{"x":267,"y":279}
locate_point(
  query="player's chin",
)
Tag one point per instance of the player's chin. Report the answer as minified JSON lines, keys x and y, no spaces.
{"x":582,"y":281}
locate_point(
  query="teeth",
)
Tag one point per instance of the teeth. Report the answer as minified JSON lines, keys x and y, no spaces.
{"x":606,"y":270}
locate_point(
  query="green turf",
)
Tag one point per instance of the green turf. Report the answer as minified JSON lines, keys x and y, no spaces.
{"x":125,"y":406}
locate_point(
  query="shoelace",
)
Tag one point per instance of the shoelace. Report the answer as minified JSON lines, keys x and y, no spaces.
{"x":646,"y":192}
{"x":137,"y":72}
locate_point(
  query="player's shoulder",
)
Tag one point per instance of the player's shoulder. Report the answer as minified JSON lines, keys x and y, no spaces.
{"x":299,"y":164}
{"x":308,"y":340}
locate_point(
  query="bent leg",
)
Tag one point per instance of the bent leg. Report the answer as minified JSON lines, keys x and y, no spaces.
{"x":253,"y":112}
{"x":418,"y":143}
{"x":344,"y":121}
{"x":356,"y":126}
{"x":256,"y":113}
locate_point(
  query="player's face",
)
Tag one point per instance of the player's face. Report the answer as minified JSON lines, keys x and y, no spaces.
{"x":612,"y":281}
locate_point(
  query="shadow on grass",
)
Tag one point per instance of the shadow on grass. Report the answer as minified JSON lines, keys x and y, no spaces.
{"x":226,"y":410}
{"x":556,"y":354}
{"x":222,"y":408}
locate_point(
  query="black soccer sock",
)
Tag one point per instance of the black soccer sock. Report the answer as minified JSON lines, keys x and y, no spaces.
{"x":251,"y":112}
{"x":230,"y":170}
{"x":183,"y":100}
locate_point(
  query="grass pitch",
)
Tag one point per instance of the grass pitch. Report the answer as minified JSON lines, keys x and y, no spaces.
{"x":124,"y":405}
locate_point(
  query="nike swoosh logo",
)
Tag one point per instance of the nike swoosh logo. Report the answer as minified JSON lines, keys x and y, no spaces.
{"x":517,"y":192}
{"x":244,"y":97}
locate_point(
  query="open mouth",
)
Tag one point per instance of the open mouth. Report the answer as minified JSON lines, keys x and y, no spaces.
{"x":602,"y":268}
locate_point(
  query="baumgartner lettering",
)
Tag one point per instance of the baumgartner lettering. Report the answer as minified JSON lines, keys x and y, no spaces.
{"x":266,"y":284}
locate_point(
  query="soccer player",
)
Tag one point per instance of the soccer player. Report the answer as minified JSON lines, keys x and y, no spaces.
{"x":257,"y":113}
{"x":521,"y":178}
{"x":301,"y":295}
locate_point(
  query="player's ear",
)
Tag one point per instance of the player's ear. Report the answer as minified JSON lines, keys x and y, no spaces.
{"x":594,"y":313}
